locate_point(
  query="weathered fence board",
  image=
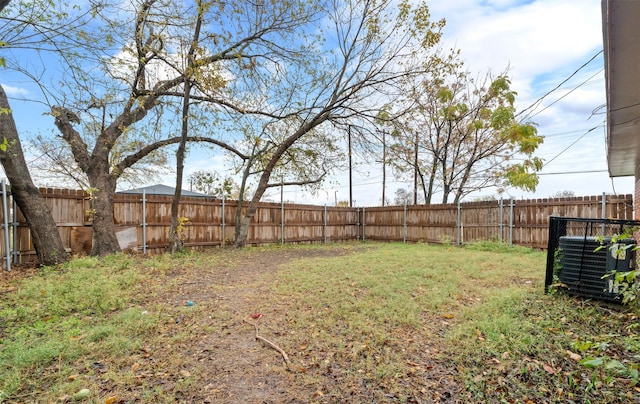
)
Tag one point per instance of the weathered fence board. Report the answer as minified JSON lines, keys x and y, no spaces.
{"x":211,"y":221}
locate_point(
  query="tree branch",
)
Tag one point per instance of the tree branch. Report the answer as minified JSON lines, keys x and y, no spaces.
{"x":270,"y":344}
{"x":140,"y":154}
{"x":63,"y":119}
{"x":302,"y":182}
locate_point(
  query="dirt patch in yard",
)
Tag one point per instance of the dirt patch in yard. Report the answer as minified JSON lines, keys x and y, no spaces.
{"x":217,"y":358}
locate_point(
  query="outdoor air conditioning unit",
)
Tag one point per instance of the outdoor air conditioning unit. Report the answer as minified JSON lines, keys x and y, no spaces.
{"x":586,"y":271}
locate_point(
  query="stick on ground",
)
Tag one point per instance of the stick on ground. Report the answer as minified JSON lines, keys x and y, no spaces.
{"x":271,"y":344}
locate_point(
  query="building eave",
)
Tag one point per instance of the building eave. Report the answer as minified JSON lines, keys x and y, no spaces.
{"x":621,"y":44}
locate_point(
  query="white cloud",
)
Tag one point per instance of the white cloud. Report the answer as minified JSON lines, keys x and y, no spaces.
{"x":15,"y":91}
{"x":542,"y":42}
{"x":533,"y":39}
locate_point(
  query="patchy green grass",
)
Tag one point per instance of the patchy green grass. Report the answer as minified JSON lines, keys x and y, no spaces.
{"x":360,"y":323}
{"x":392,"y":305}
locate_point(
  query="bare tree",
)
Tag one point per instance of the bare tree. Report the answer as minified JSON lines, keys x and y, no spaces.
{"x":52,"y":165}
{"x":146,"y":78}
{"x":44,"y":232}
{"x":175,"y":244}
{"x":468,"y":135}
{"x":373,"y":40}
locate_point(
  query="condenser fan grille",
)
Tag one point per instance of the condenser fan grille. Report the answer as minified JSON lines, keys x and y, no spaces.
{"x":577,"y":261}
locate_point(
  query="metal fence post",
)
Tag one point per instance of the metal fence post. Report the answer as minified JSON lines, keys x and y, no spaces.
{"x":5,"y":223}
{"x":222,"y":224}
{"x":459,"y":224}
{"x":501,"y":218}
{"x":281,"y":215}
{"x":511,"y":222}
{"x":144,"y":221}
{"x":363,"y":224}
{"x":404,"y":238}
{"x":14,"y":223}
{"x":604,"y":211}
{"x":324,"y":228}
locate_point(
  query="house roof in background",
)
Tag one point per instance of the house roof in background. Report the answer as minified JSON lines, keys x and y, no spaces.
{"x":161,"y":189}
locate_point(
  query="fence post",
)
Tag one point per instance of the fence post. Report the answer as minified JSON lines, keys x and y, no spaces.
{"x":5,"y":223}
{"x":281,"y":214}
{"x":324,"y":228}
{"x":604,"y":212}
{"x":511,"y":221}
{"x":501,"y":219}
{"x":222,"y":223}
{"x":144,"y":221}
{"x":14,"y":223}
{"x":357,"y":223}
{"x":404,"y":238}
{"x":459,"y":224}
{"x":363,"y":224}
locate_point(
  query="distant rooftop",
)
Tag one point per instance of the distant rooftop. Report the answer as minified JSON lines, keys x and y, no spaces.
{"x":161,"y":189}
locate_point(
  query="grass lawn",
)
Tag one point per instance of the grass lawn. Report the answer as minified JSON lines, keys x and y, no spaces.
{"x":357,"y":322}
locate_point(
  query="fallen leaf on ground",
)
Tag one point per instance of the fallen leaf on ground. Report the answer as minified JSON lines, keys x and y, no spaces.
{"x":548,"y":369}
{"x":111,"y":400}
{"x":574,"y":356}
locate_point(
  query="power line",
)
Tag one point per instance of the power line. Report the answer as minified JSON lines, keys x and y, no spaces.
{"x":535,"y":104}
{"x":566,"y":94}
{"x":574,"y":172}
{"x":571,"y":145}
{"x":571,"y":132}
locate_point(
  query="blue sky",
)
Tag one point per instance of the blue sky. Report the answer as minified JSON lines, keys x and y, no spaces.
{"x":542,"y":42}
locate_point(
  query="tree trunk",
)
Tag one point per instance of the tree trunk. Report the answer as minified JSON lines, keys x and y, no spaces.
{"x":44,"y":232}
{"x":175,"y":242}
{"x":242,"y":231}
{"x":241,"y":197}
{"x":432,"y":178}
{"x":104,"y":240}
{"x":243,"y":221}
{"x":238,"y":219}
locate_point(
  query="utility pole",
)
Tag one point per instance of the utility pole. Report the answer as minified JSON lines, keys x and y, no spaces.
{"x":350,"y":167}
{"x":415,"y":170}
{"x":384,"y":163}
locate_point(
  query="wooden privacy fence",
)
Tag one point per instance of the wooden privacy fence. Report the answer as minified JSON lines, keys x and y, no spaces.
{"x":142,"y":221}
{"x":520,"y":222}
